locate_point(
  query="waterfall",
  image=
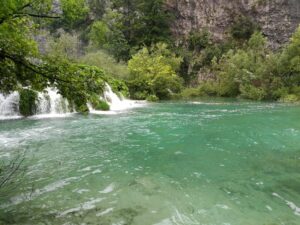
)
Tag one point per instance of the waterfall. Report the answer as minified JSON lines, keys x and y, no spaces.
{"x":117,"y":103}
{"x":9,"y":105}
{"x":51,"y":103}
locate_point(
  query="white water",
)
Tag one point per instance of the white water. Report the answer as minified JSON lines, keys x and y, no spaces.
{"x":9,"y":105}
{"x":116,"y":103}
{"x":51,"y":104}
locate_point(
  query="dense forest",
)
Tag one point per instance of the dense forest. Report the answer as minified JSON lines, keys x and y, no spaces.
{"x":78,"y":46}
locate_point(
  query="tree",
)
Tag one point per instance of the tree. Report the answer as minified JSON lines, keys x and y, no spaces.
{"x":242,"y":28}
{"x":155,"y":23}
{"x":74,"y":12}
{"x":248,"y":72}
{"x":153,"y":72}
{"x":22,"y":65}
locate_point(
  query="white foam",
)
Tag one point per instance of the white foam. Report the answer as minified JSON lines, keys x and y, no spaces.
{"x":97,"y":171}
{"x":85,"y":169}
{"x":292,"y":205}
{"x":165,"y":222}
{"x":117,"y":104}
{"x":108,"y":189}
{"x":82,"y":207}
{"x":81,"y":191}
{"x":105,"y":212}
{"x":223,"y":206}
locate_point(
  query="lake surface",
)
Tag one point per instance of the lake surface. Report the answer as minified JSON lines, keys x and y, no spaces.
{"x":215,"y":162}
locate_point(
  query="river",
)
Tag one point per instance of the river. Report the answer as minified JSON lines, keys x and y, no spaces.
{"x":206,"y":162}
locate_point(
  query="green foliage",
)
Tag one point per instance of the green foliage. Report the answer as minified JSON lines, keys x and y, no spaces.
{"x":190,"y":93}
{"x":28,"y":100}
{"x":289,"y":65}
{"x":65,"y":46}
{"x":153,"y":72}
{"x":102,"y":105}
{"x":154,"y":24}
{"x":98,"y":104}
{"x":74,"y":12}
{"x":21,"y":63}
{"x":199,"y":40}
{"x":290,"y":98}
{"x":105,"y":61}
{"x":242,"y":28}
{"x":246,"y":72}
{"x":136,"y":23}
{"x":152,"y":98}
{"x":198,"y":53}
{"x":99,"y":34}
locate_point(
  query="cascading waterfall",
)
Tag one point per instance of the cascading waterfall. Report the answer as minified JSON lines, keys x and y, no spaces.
{"x":9,"y":105}
{"x":116,"y":103}
{"x":51,"y":104}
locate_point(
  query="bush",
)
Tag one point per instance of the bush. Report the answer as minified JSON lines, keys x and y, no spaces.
{"x":98,"y":104}
{"x":102,"y":105}
{"x":242,"y":28}
{"x":103,"y":60}
{"x":190,"y":93}
{"x":199,"y":40}
{"x":290,"y":98}
{"x":253,"y":93}
{"x":153,"y":72}
{"x":28,"y":100}
{"x":152,"y":98}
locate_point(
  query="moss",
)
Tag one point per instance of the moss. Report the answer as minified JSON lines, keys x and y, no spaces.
{"x":82,"y":109}
{"x":99,"y":104}
{"x":102,"y":105}
{"x":28,"y":99}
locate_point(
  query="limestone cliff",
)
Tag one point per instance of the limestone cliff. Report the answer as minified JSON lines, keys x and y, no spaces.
{"x":278,"y":19}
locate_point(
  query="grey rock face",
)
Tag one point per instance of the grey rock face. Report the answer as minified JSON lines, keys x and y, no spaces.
{"x":277,"y":18}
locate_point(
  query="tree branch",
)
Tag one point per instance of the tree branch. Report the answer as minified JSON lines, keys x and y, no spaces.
{"x":30,"y":66}
{"x":35,"y":15}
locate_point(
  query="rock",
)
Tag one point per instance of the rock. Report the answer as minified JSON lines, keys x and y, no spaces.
{"x":277,"y":18}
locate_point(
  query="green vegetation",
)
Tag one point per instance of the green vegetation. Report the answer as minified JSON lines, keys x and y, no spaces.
{"x":128,"y":44}
{"x":153,"y":73}
{"x":253,"y":71}
{"x":23,"y":65}
{"x":28,"y":99}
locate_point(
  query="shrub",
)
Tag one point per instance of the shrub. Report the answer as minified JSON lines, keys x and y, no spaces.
{"x":199,"y":40}
{"x":103,"y":60}
{"x":290,"y":98}
{"x":102,"y":105}
{"x":253,"y":93}
{"x":190,"y":93}
{"x":153,"y":72}
{"x":152,"y":98}
{"x":242,"y":28}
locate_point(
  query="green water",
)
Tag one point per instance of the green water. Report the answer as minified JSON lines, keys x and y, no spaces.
{"x":185,"y":163}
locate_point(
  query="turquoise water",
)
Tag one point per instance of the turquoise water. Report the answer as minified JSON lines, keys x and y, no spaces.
{"x":183,"y":163}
